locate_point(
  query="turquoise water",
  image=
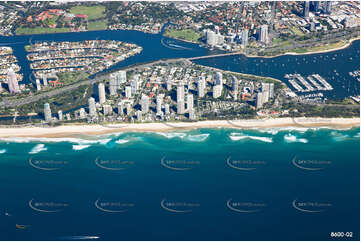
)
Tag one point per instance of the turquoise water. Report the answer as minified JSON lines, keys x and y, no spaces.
{"x":205,"y":184}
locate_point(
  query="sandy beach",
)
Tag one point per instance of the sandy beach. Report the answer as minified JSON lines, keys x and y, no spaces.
{"x":85,"y":129}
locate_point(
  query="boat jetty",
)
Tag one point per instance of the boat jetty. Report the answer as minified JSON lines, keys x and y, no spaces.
{"x":314,"y":82}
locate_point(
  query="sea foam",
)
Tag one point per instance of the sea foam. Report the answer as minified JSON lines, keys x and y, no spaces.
{"x":80,"y":147}
{"x":38,"y":148}
{"x":338,"y":137}
{"x":56,"y":140}
{"x":2,"y":151}
{"x":289,"y":138}
{"x":122,"y":141}
{"x":172,"y":135}
{"x":197,"y":137}
{"x":238,"y":136}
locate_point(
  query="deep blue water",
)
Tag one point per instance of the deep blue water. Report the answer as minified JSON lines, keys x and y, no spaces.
{"x":194,"y":179}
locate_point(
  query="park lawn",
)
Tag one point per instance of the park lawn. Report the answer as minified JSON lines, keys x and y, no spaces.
{"x":93,"y":12}
{"x":97,"y":25}
{"x":321,"y":48}
{"x":297,"y":31}
{"x":280,"y":42}
{"x":40,"y":30}
{"x":184,"y":34}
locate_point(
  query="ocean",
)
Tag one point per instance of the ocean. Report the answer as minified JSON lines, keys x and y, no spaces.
{"x":204,"y":184}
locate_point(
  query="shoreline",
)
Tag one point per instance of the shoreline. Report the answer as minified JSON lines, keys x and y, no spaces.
{"x":88,"y":129}
{"x":349,"y":42}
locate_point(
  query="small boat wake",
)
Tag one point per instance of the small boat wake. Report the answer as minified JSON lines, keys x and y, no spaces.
{"x":79,"y":238}
{"x":173,"y":46}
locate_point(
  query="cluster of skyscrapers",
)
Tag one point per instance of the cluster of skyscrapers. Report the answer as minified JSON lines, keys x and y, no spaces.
{"x":214,"y":38}
{"x":315,"y":6}
{"x":190,"y":100}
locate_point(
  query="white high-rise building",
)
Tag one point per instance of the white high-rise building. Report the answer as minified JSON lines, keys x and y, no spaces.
{"x":201,"y":85}
{"x":121,"y":108}
{"x":235,"y":84}
{"x":107,"y":110}
{"x":212,"y":38}
{"x":180,"y":99}
{"x":101,"y":93}
{"x":244,"y":37}
{"x":38,"y":85}
{"x":13,"y":82}
{"x":218,"y":85}
{"x":219,"y":78}
{"x":128,"y":108}
{"x":118,"y":78}
{"x":144,"y":102}
{"x":271,"y":90}
{"x":47,"y":112}
{"x":259,"y":101}
{"x":265,"y":92}
{"x":92,"y":107}
{"x":60,"y":115}
{"x":113,"y":87}
{"x":169,"y":85}
{"x":45,"y":81}
{"x":263,"y":34}
{"x":139,"y":115}
{"x":235,"y":87}
{"x":82,"y":113}
{"x":128,"y":92}
{"x":166,"y":108}
{"x":268,"y":91}
{"x":134,"y":84}
{"x":192,"y":115}
{"x":217,"y":91}
{"x":190,"y":102}
{"x":159,"y":103}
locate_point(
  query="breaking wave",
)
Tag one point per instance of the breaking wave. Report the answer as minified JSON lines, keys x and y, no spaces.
{"x":172,"y":135}
{"x":289,"y":138}
{"x":80,"y":147}
{"x":56,"y":140}
{"x":122,"y":141}
{"x":197,"y":137}
{"x":2,"y":151}
{"x":338,"y":137}
{"x":239,"y":136}
{"x":38,"y":148}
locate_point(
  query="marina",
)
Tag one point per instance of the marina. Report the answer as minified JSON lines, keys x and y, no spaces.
{"x":299,"y":83}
